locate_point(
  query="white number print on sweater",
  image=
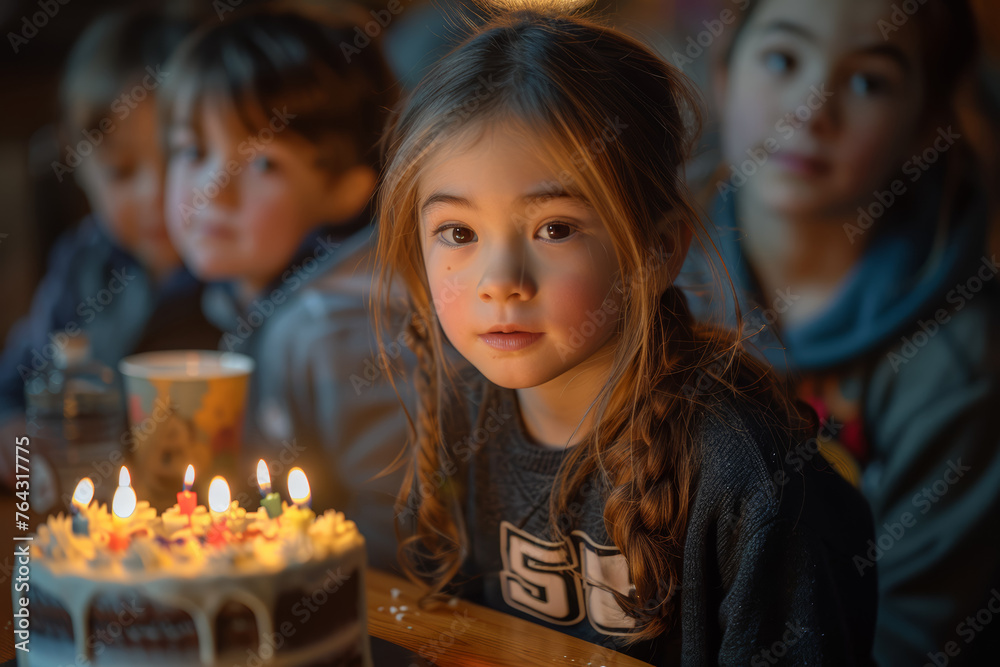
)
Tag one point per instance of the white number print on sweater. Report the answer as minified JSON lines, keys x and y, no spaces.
{"x":563,"y":585}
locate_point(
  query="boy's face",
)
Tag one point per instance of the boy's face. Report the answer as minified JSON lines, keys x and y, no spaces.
{"x":820,"y":107}
{"x":123,"y":182}
{"x":523,"y":286}
{"x":239,"y":202}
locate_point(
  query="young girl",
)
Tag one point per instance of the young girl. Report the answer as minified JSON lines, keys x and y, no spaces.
{"x":610,"y":469}
{"x":850,"y":214}
{"x":272,"y":138}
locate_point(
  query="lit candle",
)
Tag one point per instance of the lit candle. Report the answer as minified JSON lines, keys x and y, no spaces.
{"x":122,"y":507}
{"x":218,"y":499}
{"x":187,"y":500}
{"x":300,"y":516}
{"x":81,"y":499}
{"x":270,"y":500}
{"x":298,"y":488}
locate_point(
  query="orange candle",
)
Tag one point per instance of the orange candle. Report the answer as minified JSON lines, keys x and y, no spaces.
{"x":122,"y":507}
{"x":187,"y":499}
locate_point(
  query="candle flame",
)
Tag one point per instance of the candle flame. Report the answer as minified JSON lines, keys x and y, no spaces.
{"x":84,"y":492}
{"x":123,"y":503}
{"x":124,"y":479}
{"x":218,"y":494}
{"x":188,"y":477}
{"x":263,"y":476}
{"x":298,"y":486}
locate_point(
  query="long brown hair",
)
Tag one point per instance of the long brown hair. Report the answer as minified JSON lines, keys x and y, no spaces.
{"x":615,"y":121}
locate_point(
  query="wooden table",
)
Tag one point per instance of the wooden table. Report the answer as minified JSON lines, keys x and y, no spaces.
{"x":462,"y":635}
{"x":468,"y":635}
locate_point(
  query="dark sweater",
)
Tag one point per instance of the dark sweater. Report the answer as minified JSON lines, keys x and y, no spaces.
{"x":767,"y":570}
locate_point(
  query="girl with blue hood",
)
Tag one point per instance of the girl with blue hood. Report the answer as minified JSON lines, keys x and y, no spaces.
{"x":851,"y":223}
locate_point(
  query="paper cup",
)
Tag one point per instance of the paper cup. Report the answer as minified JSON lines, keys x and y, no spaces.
{"x":184,"y":407}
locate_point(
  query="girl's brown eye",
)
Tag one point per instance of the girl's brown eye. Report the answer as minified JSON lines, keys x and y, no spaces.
{"x":462,"y":235}
{"x":556,"y":231}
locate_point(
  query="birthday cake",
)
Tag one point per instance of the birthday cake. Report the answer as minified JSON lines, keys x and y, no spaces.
{"x":198,"y":588}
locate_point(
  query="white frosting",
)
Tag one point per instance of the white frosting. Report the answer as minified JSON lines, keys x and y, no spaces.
{"x":176,"y":564}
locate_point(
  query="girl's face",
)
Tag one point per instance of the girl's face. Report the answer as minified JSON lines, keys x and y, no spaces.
{"x":521,"y":272}
{"x":240,"y":202}
{"x":123,"y":182}
{"x":822,"y":104}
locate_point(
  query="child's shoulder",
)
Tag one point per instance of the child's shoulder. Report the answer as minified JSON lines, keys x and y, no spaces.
{"x":85,"y":242}
{"x":84,"y":260}
{"x":326,"y":288}
{"x":754,"y":468}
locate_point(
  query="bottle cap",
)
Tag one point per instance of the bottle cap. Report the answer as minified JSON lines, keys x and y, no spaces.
{"x":72,"y":350}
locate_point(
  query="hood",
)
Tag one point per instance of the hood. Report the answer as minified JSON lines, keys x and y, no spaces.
{"x":911,"y":267}
{"x":318,"y":252}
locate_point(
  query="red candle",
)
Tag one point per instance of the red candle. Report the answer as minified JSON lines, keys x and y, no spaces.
{"x":117,"y":540}
{"x":187,"y":500}
{"x":216,"y":534}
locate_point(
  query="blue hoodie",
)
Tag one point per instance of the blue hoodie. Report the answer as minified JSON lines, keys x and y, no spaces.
{"x":93,"y":286}
{"x":909,"y":347}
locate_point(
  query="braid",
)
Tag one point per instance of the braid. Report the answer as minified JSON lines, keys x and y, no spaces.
{"x":432,"y":553}
{"x":650,"y":455}
{"x":651,"y":467}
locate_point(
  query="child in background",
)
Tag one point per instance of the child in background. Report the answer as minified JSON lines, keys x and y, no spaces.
{"x":110,"y":277}
{"x":852,"y":219}
{"x":610,"y":470}
{"x":272,"y":135}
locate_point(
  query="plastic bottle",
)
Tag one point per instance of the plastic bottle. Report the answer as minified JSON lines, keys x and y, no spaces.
{"x":76,"y":419}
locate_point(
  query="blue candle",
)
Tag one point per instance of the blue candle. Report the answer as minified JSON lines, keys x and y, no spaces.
{"x":82,"y":496}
